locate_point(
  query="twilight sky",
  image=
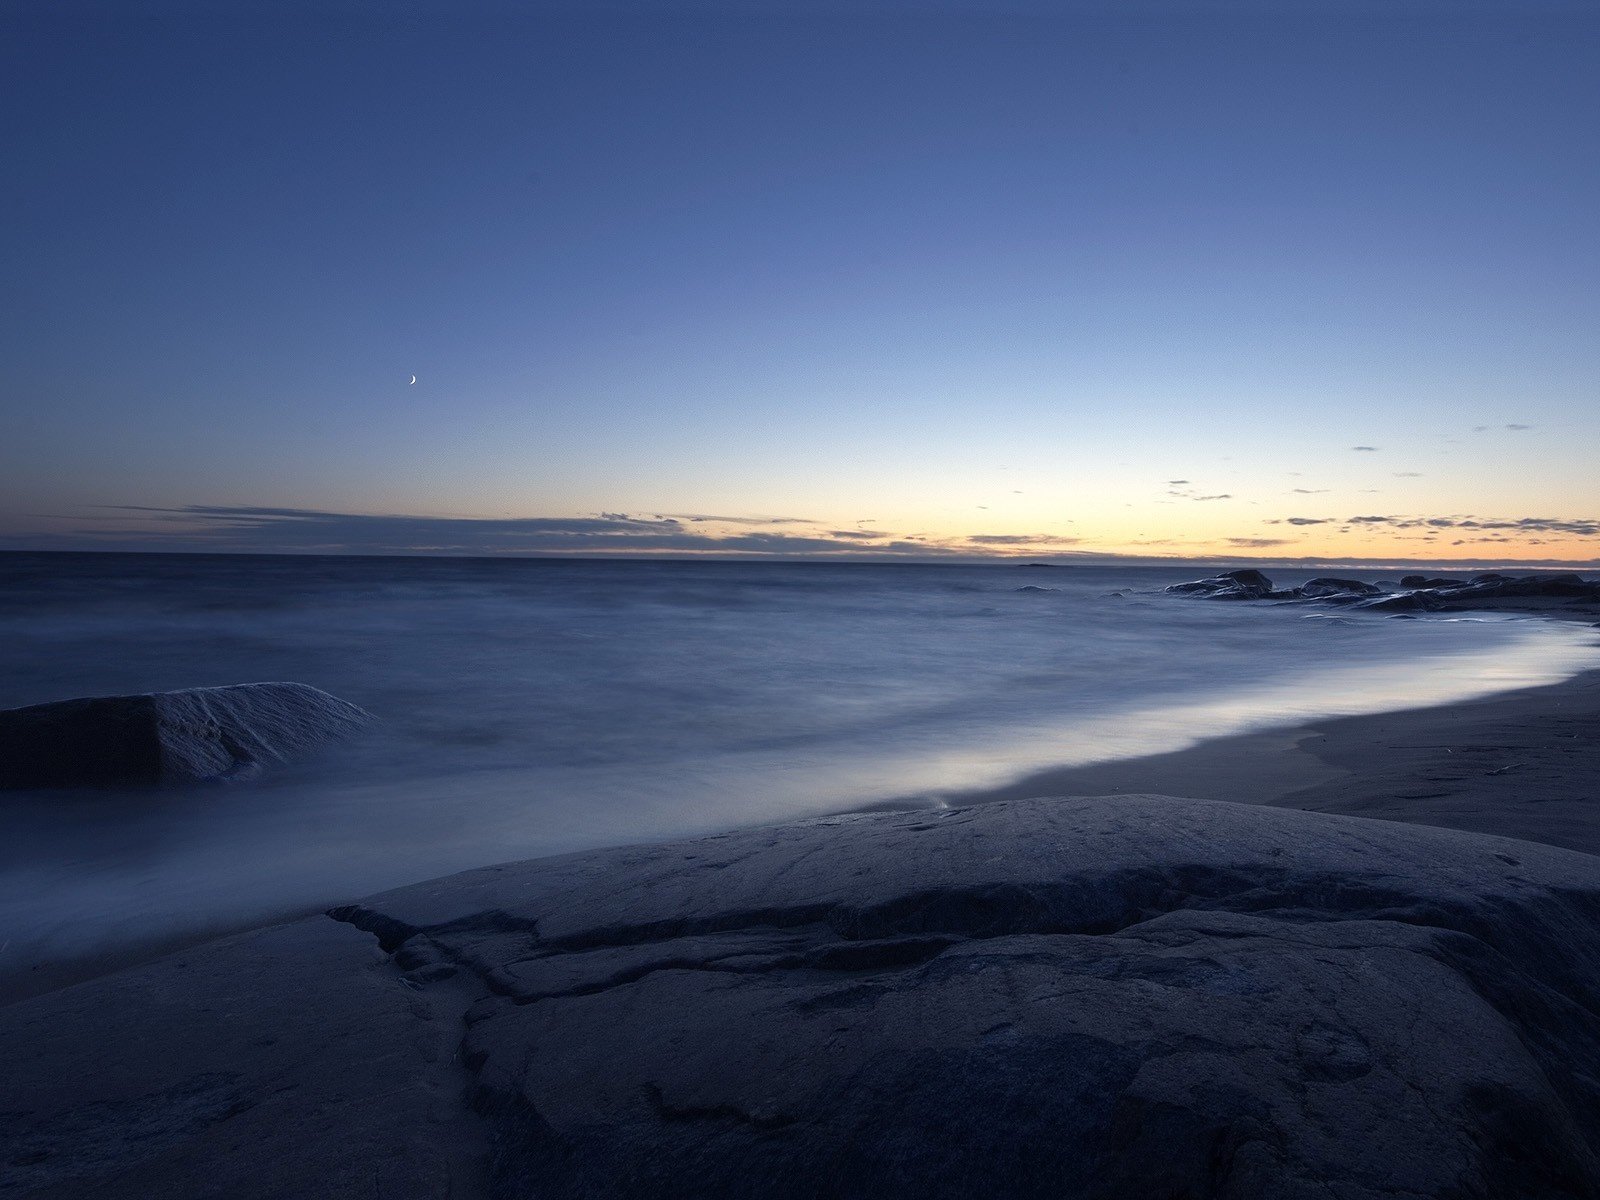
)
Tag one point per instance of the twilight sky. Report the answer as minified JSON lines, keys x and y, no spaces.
{"x":1198,"y":279}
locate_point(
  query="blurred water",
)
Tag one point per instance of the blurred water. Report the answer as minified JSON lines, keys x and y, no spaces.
{"x":530,"y":707}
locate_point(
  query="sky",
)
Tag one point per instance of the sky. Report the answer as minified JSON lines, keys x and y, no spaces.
{"x":1201,"y":280}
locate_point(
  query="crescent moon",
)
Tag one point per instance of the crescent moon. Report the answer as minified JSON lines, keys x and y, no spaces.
{"x":413,"y":379}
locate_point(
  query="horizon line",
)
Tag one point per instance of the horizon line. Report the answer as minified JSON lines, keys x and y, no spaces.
{"x":1085,"y":559}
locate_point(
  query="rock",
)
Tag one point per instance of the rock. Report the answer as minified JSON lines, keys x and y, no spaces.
{"x":1107,"y":997}
{"x":1404,"y":602}
{"x":1327,"y":588}
{"x":1423,"y":593}
{"x":280,"y":1064}
{"x":1030,"y":587}
{"x":1483,"y":591}
{"x":1230,"y":585}
{"x":167,"y":737}
{"x":1138,"y":996}
{"x":1562,"y":586}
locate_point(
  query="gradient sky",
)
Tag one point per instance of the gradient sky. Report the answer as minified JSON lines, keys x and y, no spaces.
{"x":1278,"y":280}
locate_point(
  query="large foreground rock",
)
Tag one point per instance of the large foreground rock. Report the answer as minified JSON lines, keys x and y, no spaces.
{"x":167,"y":737}
{"x":1114,"y":997}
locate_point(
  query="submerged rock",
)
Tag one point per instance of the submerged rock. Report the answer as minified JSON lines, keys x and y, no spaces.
{"x":167,"y":737}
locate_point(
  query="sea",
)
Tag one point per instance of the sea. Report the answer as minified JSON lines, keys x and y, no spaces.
{"x":530,"y":707}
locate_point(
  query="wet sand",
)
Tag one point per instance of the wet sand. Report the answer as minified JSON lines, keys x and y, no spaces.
{"x":1522,"y":764}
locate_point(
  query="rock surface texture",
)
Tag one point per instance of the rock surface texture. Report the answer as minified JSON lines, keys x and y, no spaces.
{"x":167,"y":737}
{"x":1112,"y":997}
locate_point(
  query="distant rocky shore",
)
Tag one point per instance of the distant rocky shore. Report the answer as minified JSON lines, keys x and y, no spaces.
{"x":1412,"y":593}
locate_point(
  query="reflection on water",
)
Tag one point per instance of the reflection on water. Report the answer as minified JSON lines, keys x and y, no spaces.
{"x":536,"y":707}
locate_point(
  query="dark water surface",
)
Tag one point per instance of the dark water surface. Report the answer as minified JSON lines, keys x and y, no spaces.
{"x":534,"y":706}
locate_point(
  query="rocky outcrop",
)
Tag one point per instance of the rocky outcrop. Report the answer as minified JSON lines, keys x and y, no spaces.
{"x":1417,"y":593}
{"x":1111,"y":997}
{"x":167,"y":737}
{"x":1100,"y":998}
{"x":1230,"y":585}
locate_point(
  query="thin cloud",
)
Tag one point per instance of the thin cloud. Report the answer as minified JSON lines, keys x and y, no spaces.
{"x":1257,"y":543}
{"x":1366,"y":449}
{"x":263,"y":529}
{"x":1022,"y":539}
{"x":699,"y":518}
{"x":1575,"y":527}
{"x":315,"y":531}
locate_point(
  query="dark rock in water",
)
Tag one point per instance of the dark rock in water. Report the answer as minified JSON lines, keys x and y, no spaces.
{"x":1466,"y":594}
{"x":1030,"y":587}
{"x":1329,"y":587}
{"x":1556,"y":586}
{"x":1248,"y":578}
{"x":167,"y":737}
{"x":1424,"y":593}
{"x":1230,"y":585}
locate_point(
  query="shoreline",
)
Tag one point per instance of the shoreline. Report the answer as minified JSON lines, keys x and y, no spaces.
{"x":1522,"y":764}
{"x":1214,"y":968}
{"x":1519,"y":773}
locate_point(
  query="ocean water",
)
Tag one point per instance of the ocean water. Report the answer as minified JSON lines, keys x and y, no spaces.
{"x":535,"y":706}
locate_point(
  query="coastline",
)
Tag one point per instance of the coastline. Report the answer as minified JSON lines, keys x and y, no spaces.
{"x":1522,"y":764}
{"x":1513,"y":764}
{"x":614,"y":1022}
